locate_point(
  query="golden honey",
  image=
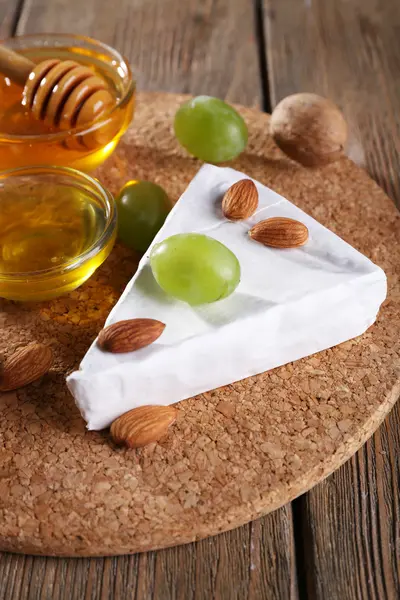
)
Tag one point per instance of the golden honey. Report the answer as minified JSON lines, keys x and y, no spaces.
{"x":56,"y":227}
{"x":26,"y":141}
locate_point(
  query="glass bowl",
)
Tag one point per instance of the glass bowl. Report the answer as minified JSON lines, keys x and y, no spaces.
{"x":57,"y":226}
{"x":24,"y":141}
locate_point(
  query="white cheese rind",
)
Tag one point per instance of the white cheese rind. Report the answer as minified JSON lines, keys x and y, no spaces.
{"x":288,"y":305}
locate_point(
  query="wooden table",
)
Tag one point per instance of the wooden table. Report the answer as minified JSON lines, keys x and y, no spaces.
{"x":341,"y":541}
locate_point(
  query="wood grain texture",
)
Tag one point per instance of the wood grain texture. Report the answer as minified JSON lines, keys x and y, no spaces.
{"x":351,"y":526}
{"x":349,"y":51}
{"x":9,"y":10}
{"x":195,"y":46}
{"x":250,"y":562}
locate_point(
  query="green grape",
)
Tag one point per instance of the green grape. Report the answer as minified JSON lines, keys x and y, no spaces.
{"x":210,"y":129}
{"x":195,"y":268}
{"x":142,"y":210}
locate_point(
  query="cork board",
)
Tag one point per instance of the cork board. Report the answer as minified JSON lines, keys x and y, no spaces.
{"x":235,"y":453}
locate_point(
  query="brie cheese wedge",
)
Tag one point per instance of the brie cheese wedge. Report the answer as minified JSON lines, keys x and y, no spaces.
{"x":289,"y":304}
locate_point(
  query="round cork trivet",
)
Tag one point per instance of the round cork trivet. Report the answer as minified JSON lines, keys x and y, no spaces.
{"x":235,"y":453}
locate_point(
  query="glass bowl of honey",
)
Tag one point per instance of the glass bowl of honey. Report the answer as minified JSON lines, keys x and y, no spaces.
{"x":57,"y":226}
{"x":27,"y":141}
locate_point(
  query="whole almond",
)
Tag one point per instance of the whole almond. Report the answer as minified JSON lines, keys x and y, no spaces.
{"x":24,"y":366}
{"x":129,"y":335}
{"x":240,"y":201}
{"x":143,"y":425}
{"x":280,"y":232}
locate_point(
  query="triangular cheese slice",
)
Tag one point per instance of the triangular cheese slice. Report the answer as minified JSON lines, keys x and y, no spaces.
{"x":289,"y":304}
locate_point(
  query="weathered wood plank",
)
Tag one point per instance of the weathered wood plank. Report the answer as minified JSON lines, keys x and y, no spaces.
{"x":195,"y":46}
{"x":9,"y":10}
{"x":352,"y":524}
{"x":255,"y":561}
{"x":349,"y":51}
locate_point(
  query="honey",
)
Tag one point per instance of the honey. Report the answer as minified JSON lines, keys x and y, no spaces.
{"x":54,"y":232}
{"x":46,"y":229}
{"x":25,"y":141}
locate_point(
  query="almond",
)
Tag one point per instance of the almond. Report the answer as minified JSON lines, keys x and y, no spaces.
{"x":143,"y":425}
{"x":130,"y":335}
{"x":24,"y":366}
{"x":280,"y":232}
{"x":240,"y":201}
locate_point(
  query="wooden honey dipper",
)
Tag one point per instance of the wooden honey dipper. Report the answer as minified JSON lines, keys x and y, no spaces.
{"x":63,"y":93}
